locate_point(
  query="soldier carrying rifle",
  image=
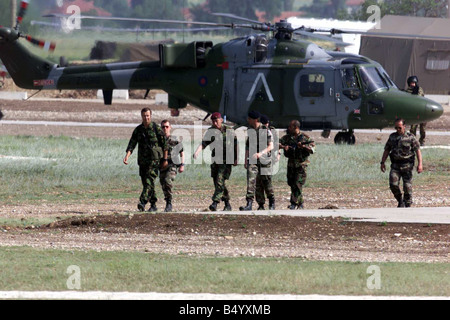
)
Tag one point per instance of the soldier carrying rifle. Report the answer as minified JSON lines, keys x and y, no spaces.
{"x":297,"y":148}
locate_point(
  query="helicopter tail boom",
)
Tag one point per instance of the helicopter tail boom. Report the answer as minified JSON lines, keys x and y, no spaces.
{"x":25,"y":68}
{"x":34,"y":73}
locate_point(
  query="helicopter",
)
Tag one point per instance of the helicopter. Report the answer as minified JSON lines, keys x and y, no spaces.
{"x":279,"y":76}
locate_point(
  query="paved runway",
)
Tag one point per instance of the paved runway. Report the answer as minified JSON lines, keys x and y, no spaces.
{"x":205,"y":297}
{"x":436,"y":215}
{"x":133,"y":125}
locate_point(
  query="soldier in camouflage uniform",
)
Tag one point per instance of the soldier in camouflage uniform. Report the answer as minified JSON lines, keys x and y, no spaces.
{"x":297,"y":148}
{"x":267,"y":180}
{"x":223,"y":156}
{"x":176,"y":164}
{"x":258,"y":149}
{"x":402,"y":147}
{"x":413,"y":88}
{"x":152,"y":154}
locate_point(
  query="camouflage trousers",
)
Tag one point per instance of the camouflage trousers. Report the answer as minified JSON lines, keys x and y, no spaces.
{"x":399,"y":172}
{"x":263,"y":187}
{"x":259,"y":180}
{"x":296,"y":178}
{"x":423,"y":134}
{"x":148,"y":174}
{"x":166,"y":178}
{"x":220,"y":173}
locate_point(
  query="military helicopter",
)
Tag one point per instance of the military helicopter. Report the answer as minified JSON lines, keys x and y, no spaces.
{"x":278,"y":76}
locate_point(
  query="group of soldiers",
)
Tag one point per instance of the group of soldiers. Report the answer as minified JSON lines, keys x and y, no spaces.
{"x":160,"y":153}
{"x":158,"y":149}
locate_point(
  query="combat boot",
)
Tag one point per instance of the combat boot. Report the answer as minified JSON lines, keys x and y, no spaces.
{"x":292,"y":206}
{"x":248,"y":207}
{"x":401,"y":203}
{"x":168,"y":206}
{"x":213,"y":206}
{"x":153,"y":208}
{"x":261,"y":207}
{"x":271,"y":204}
{"x":227,"y":206}
{"x":141,"y":206}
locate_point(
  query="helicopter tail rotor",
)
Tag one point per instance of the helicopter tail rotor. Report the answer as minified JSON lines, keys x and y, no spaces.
{"x":23,"y":9}
{"x":46,"y":45}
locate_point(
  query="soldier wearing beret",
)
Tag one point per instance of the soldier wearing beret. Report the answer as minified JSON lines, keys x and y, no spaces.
{"x":224,"y":157}
{"x":266,"y":183}
{"x":258,"y":149}
{"x":402,"y":147}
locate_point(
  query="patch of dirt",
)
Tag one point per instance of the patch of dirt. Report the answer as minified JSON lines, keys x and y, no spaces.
{"x":257,"y":236}
{"x":270,"y":227}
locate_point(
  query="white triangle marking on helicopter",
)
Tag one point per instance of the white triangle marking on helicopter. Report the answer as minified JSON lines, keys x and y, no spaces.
{"x":252,"y":91}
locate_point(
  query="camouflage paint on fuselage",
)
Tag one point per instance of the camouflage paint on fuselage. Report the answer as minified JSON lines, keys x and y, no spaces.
{"x":284,"y":79}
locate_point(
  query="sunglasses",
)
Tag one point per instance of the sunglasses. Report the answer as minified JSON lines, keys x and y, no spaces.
{"x":164,"y":127}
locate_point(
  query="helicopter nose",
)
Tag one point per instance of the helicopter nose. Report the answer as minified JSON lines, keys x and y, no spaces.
{"x":433,"y":110}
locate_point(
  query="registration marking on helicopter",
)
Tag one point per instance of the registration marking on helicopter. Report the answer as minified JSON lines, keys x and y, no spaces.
{"x":43,"y":83}
{"x":266,"y":86}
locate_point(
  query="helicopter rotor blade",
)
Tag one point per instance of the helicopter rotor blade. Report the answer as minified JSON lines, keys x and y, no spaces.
{"x":213,"y":24}
{"x":310,"y":33}
{"x":45,"y":45}
{"x":233,"y":16}
{"x":259,"y":26}
{"x":376,"y":33}
{"x":23,"y":9}
{"x":107,"y":29}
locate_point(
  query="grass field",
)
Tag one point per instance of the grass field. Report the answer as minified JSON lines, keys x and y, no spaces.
{"x":30,"y":269}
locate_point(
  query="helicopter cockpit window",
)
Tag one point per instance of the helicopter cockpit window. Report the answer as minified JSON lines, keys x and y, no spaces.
{"x":350,"y":87}
{"x":388,"y":79}
{"x":371,"y":80}
{"x":312,"y":85}
{"x":349,"y":80}
{"x":261,"y":48}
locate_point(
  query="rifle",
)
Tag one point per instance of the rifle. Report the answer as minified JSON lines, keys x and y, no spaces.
{"x":294,"y":146}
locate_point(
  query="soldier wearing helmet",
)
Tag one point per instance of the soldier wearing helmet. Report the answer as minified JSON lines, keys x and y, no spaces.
{"x":414,"y":88}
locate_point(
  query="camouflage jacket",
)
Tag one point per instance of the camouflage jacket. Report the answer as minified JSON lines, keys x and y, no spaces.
{"x":297,"y":156}
{"x":416,"y":90}
{"x":175,"y":150}
{"x":402,"y":148}
{"x":147,"y":139}
{"x":254,"y":138}
{"x":228,"y":145}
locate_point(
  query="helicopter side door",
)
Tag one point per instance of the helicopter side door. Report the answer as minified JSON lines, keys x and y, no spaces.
{"x":260,"y":88}
{"x":315,"y":94}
